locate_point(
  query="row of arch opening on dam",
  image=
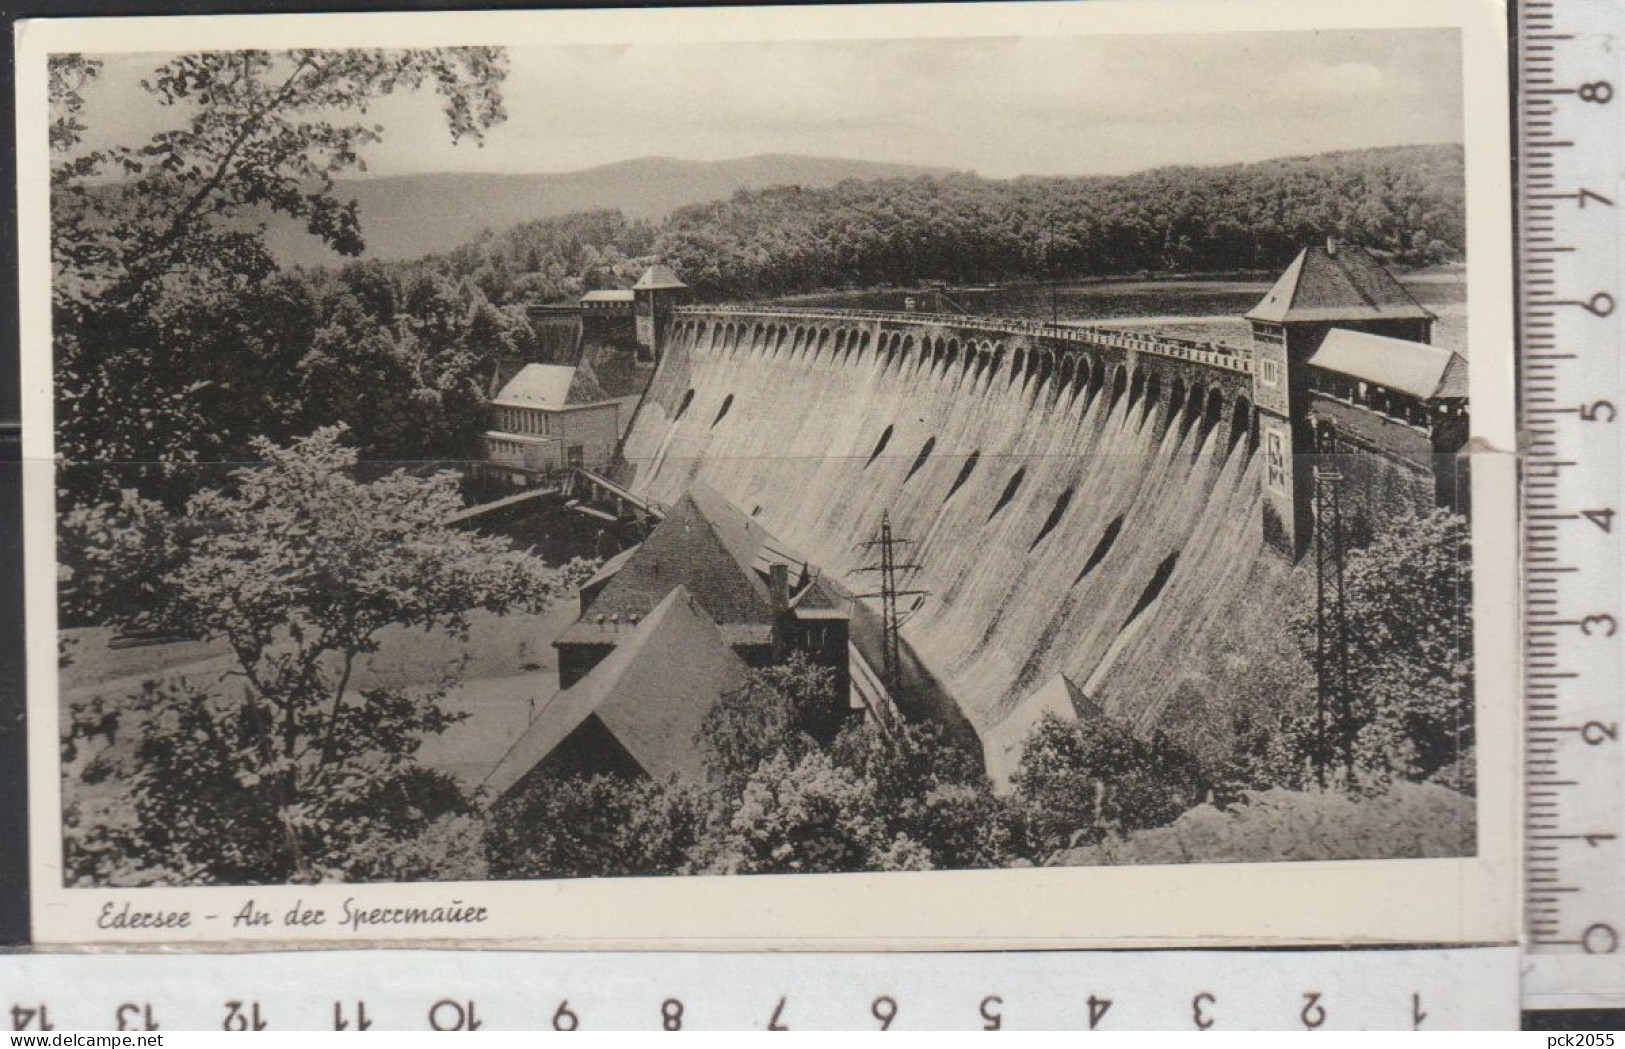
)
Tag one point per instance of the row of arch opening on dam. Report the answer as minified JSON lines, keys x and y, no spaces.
{"x":1174,"y":384}
{"x":1082,"y":510}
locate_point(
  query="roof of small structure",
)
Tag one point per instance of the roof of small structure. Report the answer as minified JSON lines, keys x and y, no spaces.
{"x":652,"y":693}
{"x":1414,"y":368}
{"x":608,"y":295}
{"x":551,"y":387}
{"x":1337,"y":283}
{"x":1002,"y":743}
{"x":722,"y":556}
{"x":658,"y":278}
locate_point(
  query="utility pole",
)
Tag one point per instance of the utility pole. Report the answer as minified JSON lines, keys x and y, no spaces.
{"x":1054,"y":301}
{"x":891,"y":623}
{"x":1334,"y":699}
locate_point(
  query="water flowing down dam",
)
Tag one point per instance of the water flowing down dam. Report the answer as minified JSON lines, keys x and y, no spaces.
{"x":1084,"y":502}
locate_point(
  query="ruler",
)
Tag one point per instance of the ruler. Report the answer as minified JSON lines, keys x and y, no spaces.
{"x":1570,"y":195}
{"x":1436,"y":989}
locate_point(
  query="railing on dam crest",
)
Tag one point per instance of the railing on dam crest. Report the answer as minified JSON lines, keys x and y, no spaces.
{"x":1215,"y":355}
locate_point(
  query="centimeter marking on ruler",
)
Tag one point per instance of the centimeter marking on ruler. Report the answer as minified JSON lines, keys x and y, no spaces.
{"x":1568,"y":256}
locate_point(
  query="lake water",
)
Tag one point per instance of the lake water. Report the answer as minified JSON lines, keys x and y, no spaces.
{"x":1195,"y":309}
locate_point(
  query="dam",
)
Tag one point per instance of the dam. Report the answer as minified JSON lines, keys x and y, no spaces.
{"x":1084,"y":501}
{"x":1095,"y":510}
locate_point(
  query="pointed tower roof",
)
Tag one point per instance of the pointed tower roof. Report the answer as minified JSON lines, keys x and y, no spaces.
{"x":658,"y":278}
{"x":1337,"y":283}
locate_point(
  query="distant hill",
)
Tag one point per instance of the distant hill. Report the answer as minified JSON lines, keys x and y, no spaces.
{"x":409,"y":216}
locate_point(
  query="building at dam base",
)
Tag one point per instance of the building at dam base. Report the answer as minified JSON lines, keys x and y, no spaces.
{"x":665,"y":629}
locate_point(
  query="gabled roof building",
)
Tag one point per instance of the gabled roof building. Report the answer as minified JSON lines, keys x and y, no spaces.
{"x":638,"y":711}
{"x":667,"y":627}
{"x":766,"y":599}
{"x":549,"y":418}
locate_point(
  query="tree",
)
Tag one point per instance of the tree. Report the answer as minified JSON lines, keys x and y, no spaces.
{"x":259,"y":133}
{"x":782,"y":709}
{"x":299,"y":569}
{"x":1408,"y":599}
{"x":936,"y":793}
{"x":907,"y":797}
{"x":1404,"y":821}
{"x":807,"y":815}
{"x":594,"y":826}
{"x":135,"y":228}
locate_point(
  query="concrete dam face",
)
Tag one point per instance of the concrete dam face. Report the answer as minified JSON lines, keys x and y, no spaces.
{"x":1084,"y":506}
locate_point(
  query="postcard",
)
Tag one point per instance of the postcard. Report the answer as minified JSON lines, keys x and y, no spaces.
{"x":872,"y":476}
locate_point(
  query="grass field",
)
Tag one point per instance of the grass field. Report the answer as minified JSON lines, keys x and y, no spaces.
{"x":505,"y":672}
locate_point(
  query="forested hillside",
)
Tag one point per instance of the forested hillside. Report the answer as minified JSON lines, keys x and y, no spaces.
{"x":409,"y":216}
{"x":1403,"y":203}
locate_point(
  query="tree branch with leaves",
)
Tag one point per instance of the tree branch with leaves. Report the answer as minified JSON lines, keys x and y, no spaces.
{"x":301,"y":570}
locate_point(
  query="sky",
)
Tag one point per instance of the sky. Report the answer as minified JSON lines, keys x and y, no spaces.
{"x":997,"y":106}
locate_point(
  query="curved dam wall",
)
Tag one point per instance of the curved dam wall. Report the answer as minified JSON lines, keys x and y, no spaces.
{"x":1086,"y":505}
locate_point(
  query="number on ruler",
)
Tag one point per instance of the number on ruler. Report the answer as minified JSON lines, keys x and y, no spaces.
{"x":1593,"y":412}
{"x":1586,"y":194}
{"x":1314,"y":1014}
{"x":1603,"y":519}
{"x":1596,"y":733}
{"x":1598,"y":91}
{"x":1602,"y":621}
{"x":1601,"y":304}
{"x":1600,"y":939}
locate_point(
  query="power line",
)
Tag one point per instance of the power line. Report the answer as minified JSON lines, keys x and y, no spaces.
{"x":889,"y":592}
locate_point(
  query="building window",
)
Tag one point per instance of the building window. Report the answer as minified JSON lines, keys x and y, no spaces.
{"x":1270,"y":371}
{"x":577,"y":455}
{"x":1269,"y":333}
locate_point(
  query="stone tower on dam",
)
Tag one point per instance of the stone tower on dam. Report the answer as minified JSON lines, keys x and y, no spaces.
{"x":1337,"y":327}
{"x":1091,"y":505}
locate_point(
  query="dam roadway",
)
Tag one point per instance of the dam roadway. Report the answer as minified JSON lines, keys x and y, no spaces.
{"x":1085,"y":501}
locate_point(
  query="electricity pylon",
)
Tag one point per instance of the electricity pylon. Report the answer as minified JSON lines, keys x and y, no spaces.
{"x":1334,"y":699}
{"x":891,"y":623}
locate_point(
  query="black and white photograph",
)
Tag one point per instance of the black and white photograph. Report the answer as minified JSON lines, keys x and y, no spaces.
{"x":678,"y":459}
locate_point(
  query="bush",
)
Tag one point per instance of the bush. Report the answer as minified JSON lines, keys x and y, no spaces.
{"x":1079,"y":781}
{"x":808,"y":816}
{"x":779,"y":709}
{"x":448,"y":849}
{"x":581,"y":827}
{"x":1407,"y":821}
{"x":935,"y":793}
